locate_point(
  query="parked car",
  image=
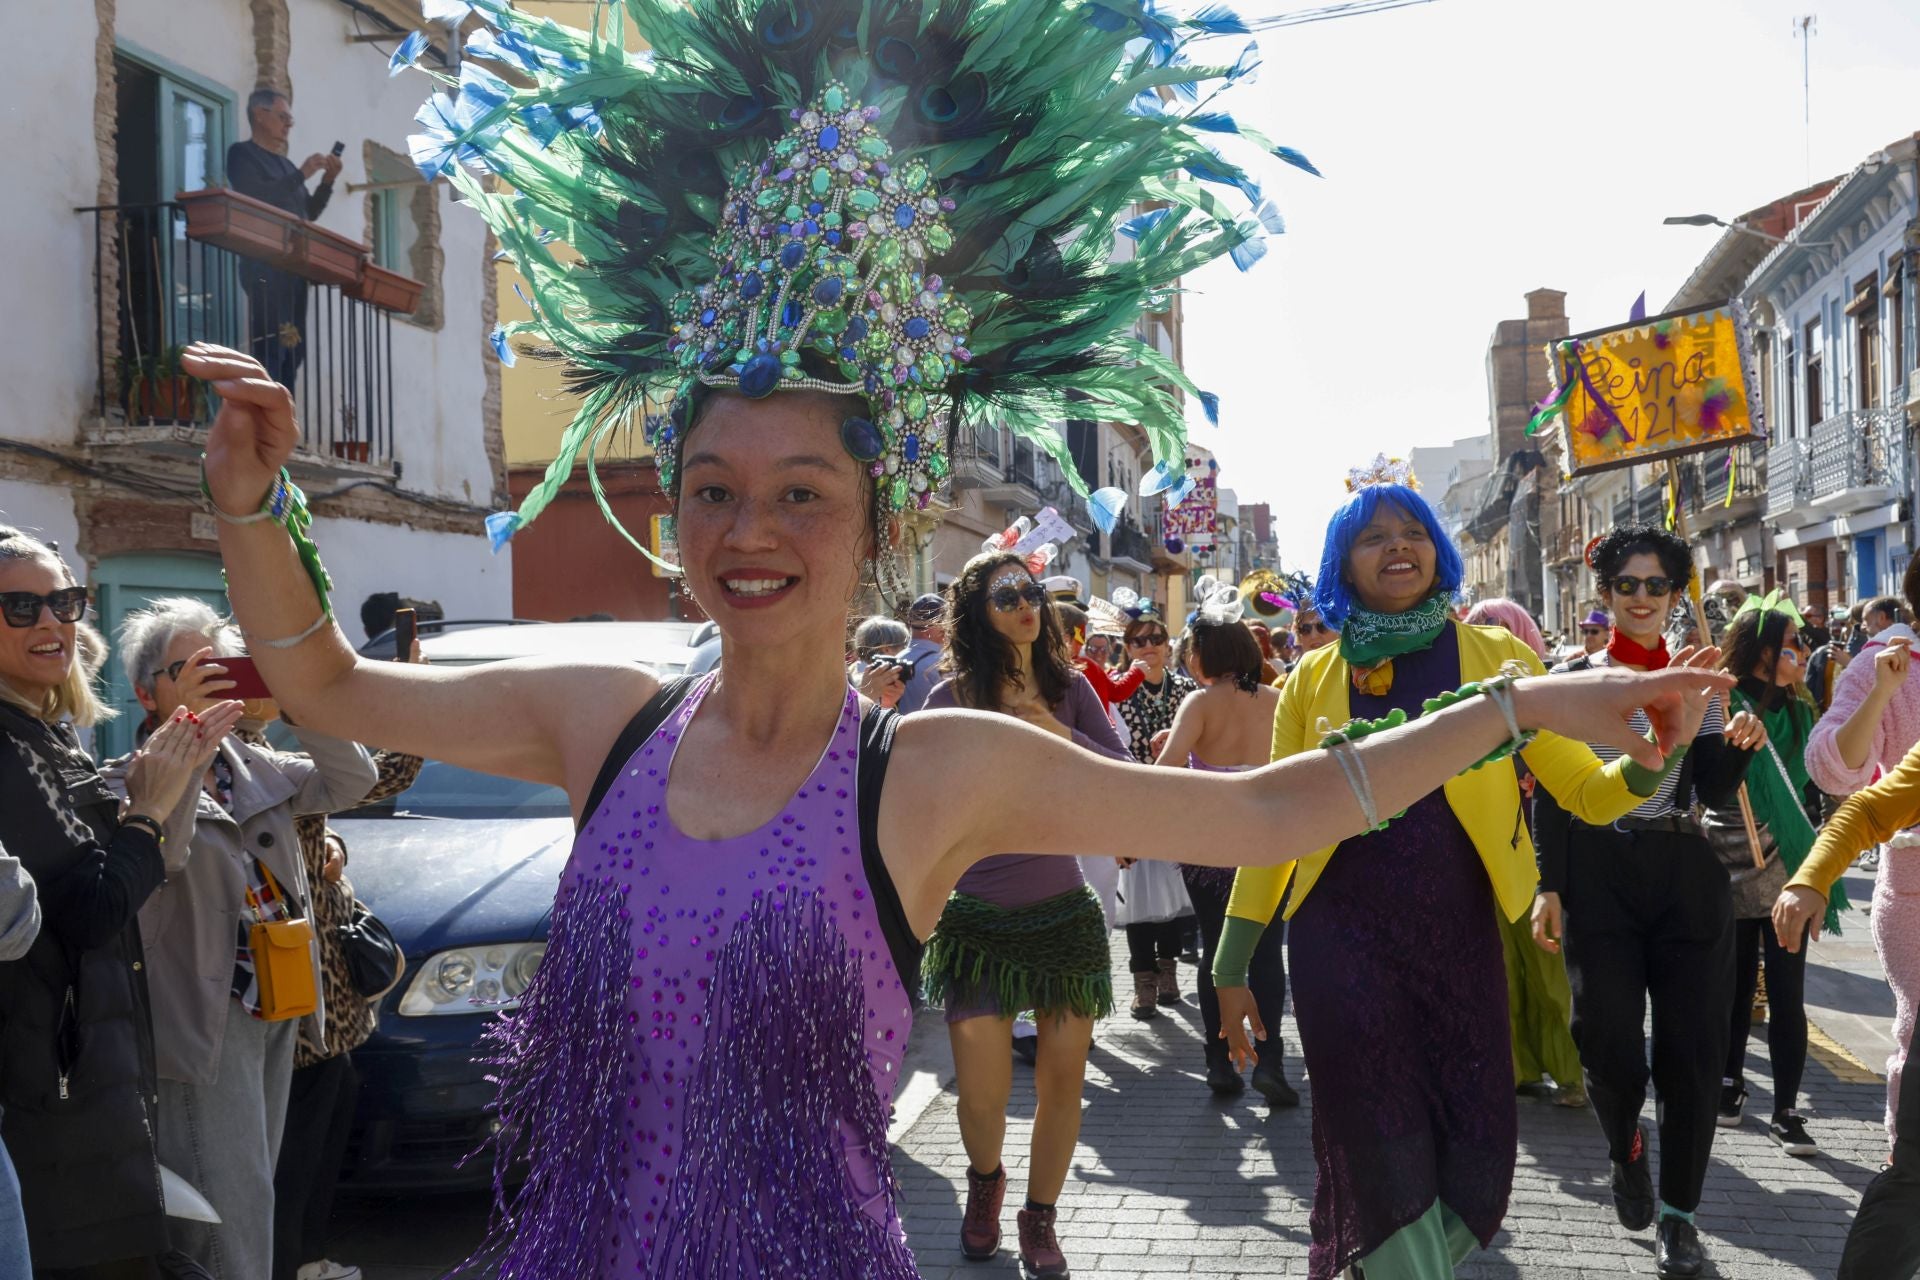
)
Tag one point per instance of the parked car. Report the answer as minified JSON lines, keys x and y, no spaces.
{"x":463,"y":867}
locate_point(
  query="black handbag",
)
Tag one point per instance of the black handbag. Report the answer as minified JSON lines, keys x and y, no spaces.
{"x":375,"y":963}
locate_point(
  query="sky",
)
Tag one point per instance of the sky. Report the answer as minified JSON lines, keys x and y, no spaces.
{"x":1475,"y":150}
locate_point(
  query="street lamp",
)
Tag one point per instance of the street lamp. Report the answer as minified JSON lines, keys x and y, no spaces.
{"x":1708,"y":220}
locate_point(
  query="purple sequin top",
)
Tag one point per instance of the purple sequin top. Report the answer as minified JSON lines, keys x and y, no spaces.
{"x":764,"y":1029}
{"x":1217,"y":880}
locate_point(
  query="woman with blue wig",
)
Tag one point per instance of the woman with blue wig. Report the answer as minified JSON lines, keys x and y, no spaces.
{"x":1399,"y":984}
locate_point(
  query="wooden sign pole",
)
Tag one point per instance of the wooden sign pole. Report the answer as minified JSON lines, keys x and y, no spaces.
{"x":1706,"y":637}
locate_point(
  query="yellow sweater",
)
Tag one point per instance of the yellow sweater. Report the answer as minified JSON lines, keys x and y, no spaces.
{"x":1864,"y":819}
{"x":1486,"y":800}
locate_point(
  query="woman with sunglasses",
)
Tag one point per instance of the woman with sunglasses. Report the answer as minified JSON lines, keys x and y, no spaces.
{"x":1021,"y":931}
{"x":1399,"y":990}
{"x":1642,"y":909}
{"x":1764,"y":649}
{"x":1154,"y":907}
{"x":75,"y":1028}
{"x":1310,"y":630}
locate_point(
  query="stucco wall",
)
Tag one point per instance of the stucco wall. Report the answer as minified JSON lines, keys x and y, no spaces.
{"x":457,"y":571}
{"x":46,"y":512}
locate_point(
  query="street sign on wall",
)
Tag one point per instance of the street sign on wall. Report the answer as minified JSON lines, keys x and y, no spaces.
{"x":1659,"y":388}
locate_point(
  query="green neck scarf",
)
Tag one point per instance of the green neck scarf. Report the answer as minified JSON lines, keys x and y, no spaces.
{"x":1367,"y":638}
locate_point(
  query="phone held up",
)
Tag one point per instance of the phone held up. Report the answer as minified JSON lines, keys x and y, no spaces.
{"x":406,"y":626}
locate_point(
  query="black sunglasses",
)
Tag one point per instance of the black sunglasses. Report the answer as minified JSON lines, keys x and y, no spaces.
{"x":172,"y":670}
{"x":1007,"y":599}
{"x":22,"y":608}
{"x":1146,"y":642}
{"x":1312,"y":628}
{"x":1593,"y":631}
{"x":1627,"y":584}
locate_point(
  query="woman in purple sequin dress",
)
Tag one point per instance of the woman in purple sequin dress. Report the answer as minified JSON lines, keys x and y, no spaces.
{"x":697,"y":1078}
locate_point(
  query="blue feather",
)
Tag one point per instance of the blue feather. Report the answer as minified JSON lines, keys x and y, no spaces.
{"x":407,"y":53}
{"x":501,"y":526}
{"x":1211,"y":404}
{"x":1248,"y":252}
{"x":1297,"y":160}
{"x":1269,"y":215}
{"x":1158,"y":480}
{"x":1134,"y":228}
{"x":501,"y":347}
{"x":1246,"y":65}
{"x":1211,"y":122}
{"x":1106,"y":506}
{"x":1219,"y":20}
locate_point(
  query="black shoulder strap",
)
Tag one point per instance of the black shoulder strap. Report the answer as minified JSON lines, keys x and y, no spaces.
{"x":876,"y":747}
{"x":649,"y":718}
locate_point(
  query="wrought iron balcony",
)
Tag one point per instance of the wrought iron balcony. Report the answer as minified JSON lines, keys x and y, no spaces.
{"x":1790,"y":484}
{"x":308,"y":305}
{"x":1859,"y":459}
{"x":1129,"y":542}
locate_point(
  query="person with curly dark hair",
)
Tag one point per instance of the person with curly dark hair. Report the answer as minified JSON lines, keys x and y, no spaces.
{"x":1020,"y":931}
{"x":1643,"y":910}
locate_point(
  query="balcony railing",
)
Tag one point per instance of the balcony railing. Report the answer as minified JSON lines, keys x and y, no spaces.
{"x":1789,"y":479}
{"x":1020,"y":466}
{"x":1859,"y":458}
{"x":1128,"y":541}
{"x":159,"y":286}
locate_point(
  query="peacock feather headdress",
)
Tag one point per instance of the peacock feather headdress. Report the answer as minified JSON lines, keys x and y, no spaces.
{"x":912,"y":201}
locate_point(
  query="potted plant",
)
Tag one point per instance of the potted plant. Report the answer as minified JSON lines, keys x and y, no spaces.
{"x":153,"y":389}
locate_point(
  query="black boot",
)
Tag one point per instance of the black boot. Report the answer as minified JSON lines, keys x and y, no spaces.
{"x":1222,"y":1077}
{"x":1270,"y":1081}
{"x":1676,"y":1250}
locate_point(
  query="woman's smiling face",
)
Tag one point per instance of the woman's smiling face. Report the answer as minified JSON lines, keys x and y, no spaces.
{"x":1391,"y":564}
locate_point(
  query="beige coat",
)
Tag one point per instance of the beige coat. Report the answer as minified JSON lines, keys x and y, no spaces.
{"x":189,"y":927}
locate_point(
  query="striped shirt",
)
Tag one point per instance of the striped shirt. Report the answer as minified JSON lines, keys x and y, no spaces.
{"x":1662,"y":802}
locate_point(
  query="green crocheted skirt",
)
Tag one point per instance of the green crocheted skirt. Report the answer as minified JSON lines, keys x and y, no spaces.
{"x":1050,"y":955}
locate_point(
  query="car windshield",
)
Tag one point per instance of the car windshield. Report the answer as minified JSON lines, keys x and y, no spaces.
{"x":448,"y":791}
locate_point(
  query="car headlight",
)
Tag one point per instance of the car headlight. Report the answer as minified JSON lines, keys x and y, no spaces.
{"x":472,"y":979}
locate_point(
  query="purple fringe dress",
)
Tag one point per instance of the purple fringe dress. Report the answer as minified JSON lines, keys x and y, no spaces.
{"x":1400,"y":994}
{"x":703,"y":1067}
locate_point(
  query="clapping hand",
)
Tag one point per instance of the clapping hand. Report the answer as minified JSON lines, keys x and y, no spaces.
{"x":175,"y":756}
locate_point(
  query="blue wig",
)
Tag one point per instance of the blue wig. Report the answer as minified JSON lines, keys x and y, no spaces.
{"x":1333,"y":594}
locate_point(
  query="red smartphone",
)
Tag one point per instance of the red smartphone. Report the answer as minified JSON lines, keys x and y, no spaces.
{"x":247,"y":683}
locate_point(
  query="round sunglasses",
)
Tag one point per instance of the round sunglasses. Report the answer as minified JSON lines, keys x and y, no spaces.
{"x":1007,"y":599}
{"x":1626,"y":584}
{"x":22,"y":608}
{"x":1146,"y":642}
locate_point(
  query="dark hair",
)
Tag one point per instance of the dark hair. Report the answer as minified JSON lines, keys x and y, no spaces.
{"x":1887,"y":607}
{"x":376,"y":613}
{"x":1623,"y":542}
{"x":1225,"y":650}
{"x":1072,"y":618}
{"x":980,"y":658}
{"x":1144,"y":621}
{"x":1753,"y":640}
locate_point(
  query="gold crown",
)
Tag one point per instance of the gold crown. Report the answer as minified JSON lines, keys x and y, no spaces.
{"x":1382,"y":470}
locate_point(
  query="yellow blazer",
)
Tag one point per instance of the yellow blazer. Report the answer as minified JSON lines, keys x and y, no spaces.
{"x":1486,"y":800}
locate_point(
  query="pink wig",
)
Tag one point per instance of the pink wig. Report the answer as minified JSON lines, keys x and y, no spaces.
{"x":1508,"y":614}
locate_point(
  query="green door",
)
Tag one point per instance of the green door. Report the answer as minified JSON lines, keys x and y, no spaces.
{"x":125,"y":583}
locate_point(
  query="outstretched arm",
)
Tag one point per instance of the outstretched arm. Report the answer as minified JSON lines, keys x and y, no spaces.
{"x":518,"y":718}
{"x":939,"y":813}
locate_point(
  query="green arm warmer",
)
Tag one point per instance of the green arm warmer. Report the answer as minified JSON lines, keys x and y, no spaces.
{"x":1238,"y":938}
{"x":1643,"y":781}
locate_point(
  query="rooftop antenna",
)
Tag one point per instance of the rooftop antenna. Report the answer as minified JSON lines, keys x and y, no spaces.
{"x":1804,"y":27}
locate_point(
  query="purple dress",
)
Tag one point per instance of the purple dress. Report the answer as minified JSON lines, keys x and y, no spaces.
{"x":704,"y":1065}
{"x":1400,"y":993}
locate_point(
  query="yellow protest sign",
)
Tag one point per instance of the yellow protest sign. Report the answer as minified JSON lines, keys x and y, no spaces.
{"x":1658,"y":388}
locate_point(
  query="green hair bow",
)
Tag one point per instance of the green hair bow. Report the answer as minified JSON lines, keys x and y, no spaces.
{"x":1775,"y":601}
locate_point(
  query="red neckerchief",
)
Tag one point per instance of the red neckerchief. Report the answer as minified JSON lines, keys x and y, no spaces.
{"x":1631,"y":653}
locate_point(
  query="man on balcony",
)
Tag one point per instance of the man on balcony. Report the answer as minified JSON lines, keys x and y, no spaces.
{"x":258,"y":167}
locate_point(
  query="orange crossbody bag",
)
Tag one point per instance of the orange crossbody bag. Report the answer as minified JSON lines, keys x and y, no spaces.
{"x":283,"y":963}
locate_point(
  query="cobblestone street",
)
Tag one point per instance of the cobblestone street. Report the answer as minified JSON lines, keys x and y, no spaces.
{"x":1170,"y":1182}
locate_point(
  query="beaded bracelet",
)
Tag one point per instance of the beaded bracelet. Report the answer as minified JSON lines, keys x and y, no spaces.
{"x":286,"y":506}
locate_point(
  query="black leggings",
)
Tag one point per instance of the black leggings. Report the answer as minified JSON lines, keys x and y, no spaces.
{"x":1266,"y":975}
{"x":1786,"y":1009}
{"x":1148,"y":944}
{"x":1884,"y":1243}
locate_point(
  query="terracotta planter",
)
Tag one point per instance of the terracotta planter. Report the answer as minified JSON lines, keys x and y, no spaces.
{"x":251,"y":228}
{"x":386,"y":289}
{"x":351,"y":450}
{"x":327,"y":257}
{"x":162,"y":400}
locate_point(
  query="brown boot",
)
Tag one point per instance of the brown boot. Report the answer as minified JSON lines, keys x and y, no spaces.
{"x":1168,"y":982}
{"x":1146,"y":996}
{"x":980,"y":1228}
{"x":1040,"y":1254}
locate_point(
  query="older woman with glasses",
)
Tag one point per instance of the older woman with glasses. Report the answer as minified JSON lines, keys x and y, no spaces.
{"x":1154,"y":906}
{"x":1643,"y":910}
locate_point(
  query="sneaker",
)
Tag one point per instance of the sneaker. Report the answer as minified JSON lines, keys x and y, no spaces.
{"x":1570,"y":1095}
{"x":1168,"y":982}
{"x":1146,"y":996}
{"x":1676,"y":1250}
{"x":1733,"y":1106}
{"x":1040,"y":1256}
{"x":980,"y":1227}
{"x":327,"y":1269}
{"x":1790,"y":1131}
{"x":1633,"y":1185}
